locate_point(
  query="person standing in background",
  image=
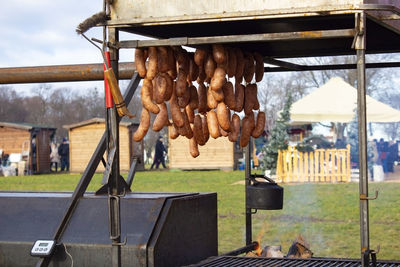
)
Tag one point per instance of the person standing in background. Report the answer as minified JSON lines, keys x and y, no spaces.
{"x":392,"y":155}
{"x":63,"y":151}
{"x":33,"y":154}
{"x":372,"y":157}
{"x":398,"y":151}
{"x":384,"y":157}
{"x":381,"y":153}
{"x":54,"y":157}
{"x":159,"y":154}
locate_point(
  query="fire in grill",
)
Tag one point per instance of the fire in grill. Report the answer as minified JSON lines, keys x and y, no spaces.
{"x":233,"y":261}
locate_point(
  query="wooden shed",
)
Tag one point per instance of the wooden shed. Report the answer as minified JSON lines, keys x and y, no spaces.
{"x":85,"y":136}
{"x":31,"y":141}
{"x":217,"y":153}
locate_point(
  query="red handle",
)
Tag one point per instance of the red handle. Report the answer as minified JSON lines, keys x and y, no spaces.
{"x":109,"y":101}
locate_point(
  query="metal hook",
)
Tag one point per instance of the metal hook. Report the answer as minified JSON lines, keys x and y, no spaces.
{"x":364,"y":196}
{"x":253,"y":211}
{"x":123,"y":194}
{"x":367,"y":253}
{"x":101,"y":49}
{"x":123,"y":191}
{"x":121,"y":243}
{"x":353,"y":44}
{"x":104,"y":44}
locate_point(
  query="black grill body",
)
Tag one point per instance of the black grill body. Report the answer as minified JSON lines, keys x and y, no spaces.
{"x":161,"y":229}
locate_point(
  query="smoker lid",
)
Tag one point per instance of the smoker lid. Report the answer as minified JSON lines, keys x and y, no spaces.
{"x":141,"y":209}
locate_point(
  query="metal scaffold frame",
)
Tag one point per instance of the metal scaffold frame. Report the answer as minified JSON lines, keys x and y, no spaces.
{"x":359,"y":44}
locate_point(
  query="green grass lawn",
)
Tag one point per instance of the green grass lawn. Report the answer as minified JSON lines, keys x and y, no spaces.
{"x":327,"y":215}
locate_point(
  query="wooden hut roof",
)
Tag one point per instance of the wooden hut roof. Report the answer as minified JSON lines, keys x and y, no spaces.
{"x":24,"y":126}
{"x":92,"y":121}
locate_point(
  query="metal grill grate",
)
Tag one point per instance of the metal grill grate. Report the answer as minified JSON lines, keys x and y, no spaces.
{"x":233,"y":261}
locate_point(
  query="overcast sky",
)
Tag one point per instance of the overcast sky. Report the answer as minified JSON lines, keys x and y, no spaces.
{"x":42,"y":32}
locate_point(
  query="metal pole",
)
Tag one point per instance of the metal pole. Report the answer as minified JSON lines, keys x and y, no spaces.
{"x":95,"y":72}
{"x":88,"y":173}
{"x":247,"y":160}
{"x":360,"y":46}
{"x":62,"y":73}
{"x":114,"y":185}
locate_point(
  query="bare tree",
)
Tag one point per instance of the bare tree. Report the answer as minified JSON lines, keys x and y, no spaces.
{"x":12,"y":108}
{"x":275,"y":86}
{"x":314,"y":79}
{"x":273,"y":91}
{"x":37,"y":104}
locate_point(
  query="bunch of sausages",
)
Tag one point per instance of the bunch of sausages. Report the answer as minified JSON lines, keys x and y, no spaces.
{"x":198,"y":113}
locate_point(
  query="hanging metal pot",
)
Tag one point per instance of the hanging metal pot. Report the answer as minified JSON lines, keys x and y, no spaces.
{"x":266,"y":195}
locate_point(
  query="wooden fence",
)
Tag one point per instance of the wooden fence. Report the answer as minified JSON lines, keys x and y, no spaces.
{"x":321,"y":165}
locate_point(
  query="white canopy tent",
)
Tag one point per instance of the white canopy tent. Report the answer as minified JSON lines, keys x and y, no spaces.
{"x":336,"y":101}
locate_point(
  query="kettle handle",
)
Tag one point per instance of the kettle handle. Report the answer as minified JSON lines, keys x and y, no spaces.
{"x":254,"y":176}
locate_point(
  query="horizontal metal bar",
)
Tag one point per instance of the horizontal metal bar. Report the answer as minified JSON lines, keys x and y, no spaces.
{"x":128,"y":44}
{"x":262,"y":37}
{"x":94,"y":72}
{"x":283,"y":64}
{"x":333,"y":67}
{"x":164,"y":42}
{"x":378,"y":7}
{"x":388,"y":17}
{"x":270,"y":37}
{"x":158,"y":42}
{"x":61,"y":73}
